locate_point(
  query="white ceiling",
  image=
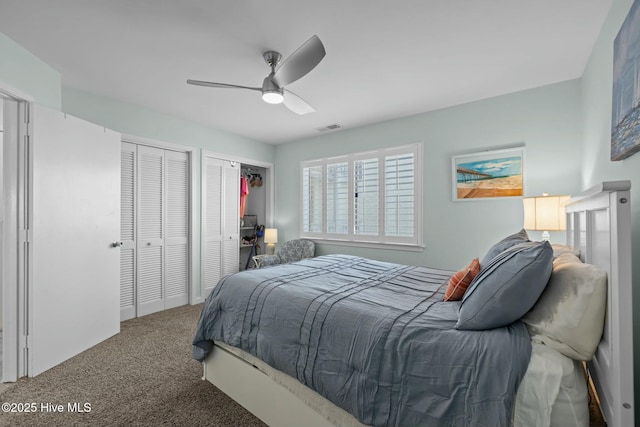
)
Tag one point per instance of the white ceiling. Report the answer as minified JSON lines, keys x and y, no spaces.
{"x":385,"y":59}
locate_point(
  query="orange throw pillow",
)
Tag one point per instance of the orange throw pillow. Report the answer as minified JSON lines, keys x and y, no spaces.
{"x":460,"y":281}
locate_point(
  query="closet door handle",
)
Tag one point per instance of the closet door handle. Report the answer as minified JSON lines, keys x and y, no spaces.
{"x":116,"y":244}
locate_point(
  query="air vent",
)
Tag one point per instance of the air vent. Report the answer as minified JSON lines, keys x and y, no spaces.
{"x":330,"y":127}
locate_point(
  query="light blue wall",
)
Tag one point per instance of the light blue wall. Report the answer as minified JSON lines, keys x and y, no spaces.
{"x":139,"y":121}
{"x":596,"y":164}
{"x":22,"y":71}
{"x":142,"y":122}
{"x":546,"y":120}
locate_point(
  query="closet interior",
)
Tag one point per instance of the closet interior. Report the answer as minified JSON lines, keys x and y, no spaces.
{"x":253,"y":201}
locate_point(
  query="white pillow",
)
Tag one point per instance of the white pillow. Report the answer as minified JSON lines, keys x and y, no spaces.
{"x":559,"y":249}
{"x":571,"y":407}
{"x":552,"y":393}
{"x":569,"y":315}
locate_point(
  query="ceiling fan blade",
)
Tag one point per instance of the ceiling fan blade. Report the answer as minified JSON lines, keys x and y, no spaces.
{"x":221,"y":85}
{"x":296,"y":104}
{"x":300,"y":62}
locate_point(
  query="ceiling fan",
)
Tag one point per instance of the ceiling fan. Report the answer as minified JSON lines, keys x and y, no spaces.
{"x":297,"y":65}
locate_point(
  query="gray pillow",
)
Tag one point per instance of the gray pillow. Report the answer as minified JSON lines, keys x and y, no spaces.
{"x":507,"y":287}
{"x":519,"y":237}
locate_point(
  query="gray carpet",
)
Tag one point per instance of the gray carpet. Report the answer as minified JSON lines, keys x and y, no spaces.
{"x":144,"y":376}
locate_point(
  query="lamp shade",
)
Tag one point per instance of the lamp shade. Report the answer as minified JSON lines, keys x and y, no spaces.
{"x":270,"y":235}
{"x":545,"y":213}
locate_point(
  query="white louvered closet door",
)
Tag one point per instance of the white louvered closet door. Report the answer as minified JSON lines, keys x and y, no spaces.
{"x":212,"y":223}
{"x":155,"y":257}
{"x":150,"y":292}
{"x":221,"y":221}
{"x":231,"y":237}
{"x":127,"y":231}
{"x":176,"y":242}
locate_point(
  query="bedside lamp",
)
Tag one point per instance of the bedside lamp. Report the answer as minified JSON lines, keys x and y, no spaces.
{"x":545,"y":213}
{"x":271,"y":238}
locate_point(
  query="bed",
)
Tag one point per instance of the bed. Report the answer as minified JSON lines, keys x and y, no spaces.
{"x":311,"y":343}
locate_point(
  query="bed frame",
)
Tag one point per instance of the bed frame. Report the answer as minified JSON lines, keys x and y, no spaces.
{"x":598,"y":223}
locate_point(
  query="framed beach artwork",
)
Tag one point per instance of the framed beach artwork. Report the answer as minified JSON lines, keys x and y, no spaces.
{"x":488,"y":174}
{"x":625,"y":115}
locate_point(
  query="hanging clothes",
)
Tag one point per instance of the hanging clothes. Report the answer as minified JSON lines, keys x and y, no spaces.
{"x":244,"y":191}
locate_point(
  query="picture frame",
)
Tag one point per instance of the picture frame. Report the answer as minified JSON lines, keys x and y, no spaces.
{"x":488,"y":174}
{"x":625,"y":112}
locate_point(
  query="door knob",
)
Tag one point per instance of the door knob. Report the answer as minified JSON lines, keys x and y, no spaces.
{"x":116,"y":244}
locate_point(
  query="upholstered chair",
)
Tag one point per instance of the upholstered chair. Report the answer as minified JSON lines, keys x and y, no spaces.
{"x":290,"y":251}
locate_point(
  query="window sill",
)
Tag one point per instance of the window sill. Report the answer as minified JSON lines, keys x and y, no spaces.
{"x":363,"y":244}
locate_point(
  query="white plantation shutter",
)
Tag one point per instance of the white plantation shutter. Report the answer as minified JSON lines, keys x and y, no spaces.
{"x":312,"y":206}
{"x":366,"y":197}
{"x":176,"y":260}
{"x":127,"y":231}
{"x":338,"y":198}
{"x":399,"y":195}
{"x":372,"y":197}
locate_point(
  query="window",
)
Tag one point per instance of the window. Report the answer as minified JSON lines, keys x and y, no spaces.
{"x":371,"y":197}
{"x":338,"y":198}
{"x":312,"y":201}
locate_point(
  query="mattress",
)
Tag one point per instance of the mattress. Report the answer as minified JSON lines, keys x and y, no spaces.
{"x":553,"y":392}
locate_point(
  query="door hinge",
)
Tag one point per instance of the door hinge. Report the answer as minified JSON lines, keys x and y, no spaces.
{"x":27,"y":113}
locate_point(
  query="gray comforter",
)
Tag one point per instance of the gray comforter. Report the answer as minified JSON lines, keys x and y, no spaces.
{"x":374,"y":338}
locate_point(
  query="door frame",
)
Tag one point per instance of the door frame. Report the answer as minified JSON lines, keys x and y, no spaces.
{"x":194,"y":226}
{"x":14,"y":250}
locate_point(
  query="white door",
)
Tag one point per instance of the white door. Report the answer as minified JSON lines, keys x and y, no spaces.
{"x":155,"y":256}
{"x":211,"y":223}
{"x":127,"y":231}
{"x":231,"y":236}
{"x":74,"y":293}
{"x":221,"y":221}
{"x":150,"y":241}
{"x":176,"y":256}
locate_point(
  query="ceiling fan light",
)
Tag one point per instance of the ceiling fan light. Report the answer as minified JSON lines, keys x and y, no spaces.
{"x":272,"y":97}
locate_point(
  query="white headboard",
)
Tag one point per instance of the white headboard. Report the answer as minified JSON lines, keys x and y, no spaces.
{"x":599,"y":225}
